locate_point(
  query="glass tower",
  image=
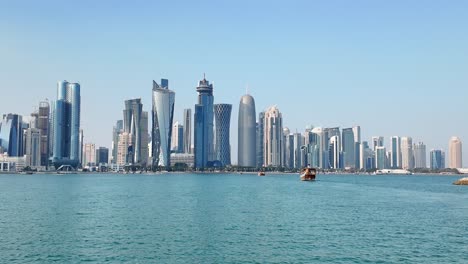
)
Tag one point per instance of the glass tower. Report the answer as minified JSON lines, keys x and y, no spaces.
{"x":223,"y":121}
{"x":203,"y":136}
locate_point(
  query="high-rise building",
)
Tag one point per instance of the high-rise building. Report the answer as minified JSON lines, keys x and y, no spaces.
{"x":322,"y":148}
{"x":273,"y":138}
{"x":348,"y":147}
{"x":437,"y":159}
{"x":222,"y":114}
{"x":81,"y":144}
{"x":33,"y":147}
{"x":102,"y":155}
{"x":395,"y":152}
{"x":260,"y":142}
{"x":288,"y":148}
{"x":124,"y":149}
{"x":298,"y":142}
{"x":163,"y":115}
{"x":89,"y":155}
{"x":334,"y":152}
{"x":407,"y":156}
{"x":357,"y":146}
{"x":419,"y":155}
{"x":42,"y":124}
{"x":11,"y":135}
{"x":117,"y":129}
{"x":377,"y":142}
{"x":204,"y":125}
{"x":380,"y":158}
{"x":136,"y":124}
{"x":188,"y":131}
{"x":455,"y":153}
{"x":247,"y":136}
{"x":67,"y":125}
{"x":177,"y":144}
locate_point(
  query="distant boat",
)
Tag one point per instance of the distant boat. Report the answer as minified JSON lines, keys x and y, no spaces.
{"x":308,"y":174}
{"x":261,"y":173}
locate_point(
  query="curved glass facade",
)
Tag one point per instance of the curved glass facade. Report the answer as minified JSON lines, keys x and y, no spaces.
{"x":246,"y":155}
{"x":223,"y":121}
{"x":163,"y":114}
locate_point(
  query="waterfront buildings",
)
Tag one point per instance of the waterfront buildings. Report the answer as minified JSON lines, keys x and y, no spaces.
{"x":66,"y":141}
{"x":117,"y":129}
{"x":11,"y":135}
{"x":407,"y":156}
{"x":187,"y":131}
{"x":455,"y":153}
{"x":102,"y":155}
{"x":380,"y":158}
{"x":89,"y":155}
{"x":124,"y":149}
{"x":298,"y":142}
{"x":395,"y":152}
{"x":136,"y":125}
{"x":377,"y":142}
{"x":260,"y":139}
{"x":204,"y":125}
{"x":334,"y":153}
{"x":177,"y":140}
{"x":247,"y":136}
{"x":163,"y":115}
{"x":420,"y":155}
{"x":222,"y":114}
{"x":33,"y":148}
{"x":437,"y":159}
{"x":273,"y":138}
{"x":348,"y":147}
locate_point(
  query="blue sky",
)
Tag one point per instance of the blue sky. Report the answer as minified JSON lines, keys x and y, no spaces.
{"x":393,"y":67}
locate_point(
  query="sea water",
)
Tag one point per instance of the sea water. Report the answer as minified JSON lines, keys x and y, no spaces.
{"x":232,"y":218}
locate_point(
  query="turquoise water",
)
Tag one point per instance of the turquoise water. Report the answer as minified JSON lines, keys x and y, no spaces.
{"x":217,"y":218}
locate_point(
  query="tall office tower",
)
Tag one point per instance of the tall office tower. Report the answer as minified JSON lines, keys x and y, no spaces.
{"x":177,"y":140}
{"x":124,"y":149}
{"x":81,"y":144}
{"x":11,"y":135}
{"x":247,"y":136}
{"x":102,"y":155}
{"x":328,"y":133}
{"x":51,"y":130}
{"x":357,"y":146}
{"x":273,"y":138}
{"x":455,"y":153}
{"x":288,"y":148}
{"x":437,"y":159}
{"x":348,"y":147}
{"x":188,"y":131}
{"x":377,"y":142}
{"x":298,"y":142}
{"x":163,"y":115}
{"x":419,"y":155}
{"x":42,"y":123}
{"x":380,"y":158}
{"x":407,"y":156}
{"x":204,"y":125}
{"x":67,"y":125}
{"x":222,"y":114}
{"x":89,"y":155}
{"x":260,"y":143}
{"x":321,"y":146}
{"x":135,"y":122}
{"x":363,"y":149}
{"x":395,"y":159}
{"x":117,"y":129}
{"x":33,"y":147}
{"x":312,"y":150}
{"x":334,"y":152}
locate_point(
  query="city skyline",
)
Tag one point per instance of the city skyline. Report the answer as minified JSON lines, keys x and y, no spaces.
{"x":418,"y":60}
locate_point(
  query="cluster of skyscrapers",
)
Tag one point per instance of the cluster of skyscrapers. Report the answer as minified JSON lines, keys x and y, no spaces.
{"x":52,"y":138}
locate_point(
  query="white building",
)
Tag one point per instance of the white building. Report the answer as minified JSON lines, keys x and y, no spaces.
{"x":89,"y":155}
{"x":273,"y":138}
{"x":455,"y":153}
{"x":419,"y":155}
{"x":407,"y":156}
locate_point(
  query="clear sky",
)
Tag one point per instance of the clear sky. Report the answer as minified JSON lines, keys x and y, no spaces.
{"x":393,"y":67}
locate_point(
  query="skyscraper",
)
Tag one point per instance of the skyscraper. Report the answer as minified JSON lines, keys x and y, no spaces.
{"x":188,"y":131}
{"x":260,"y":142}
{"x":298,"y":142}
{"x":247,"y":138}
{"x":67,"y":125}
{"x":377,"y":142}
{"x":117,"y":129}
{"x":102,"y":155}
{"x":136,"y":125}
{"x":334,"y":152}
{"x":407,"y":156}
{"x":11,"y":135}
{"x":420,"y":155}
{"x":89,"y":155}
{"x":380,"y":158}
{"x":273,"y":138}
{"x":33,"y":147}
{"x":395,"y":160}
{"x":455,"y":153}
{"x":177,"y":140}
{"x":348,"y":147}
{"x":163,"y":115}
{"x":437,"y":159}
{"x":43,"y":126}
{"x":204,"y":125}
{"x":288,"y":148}
{"x":223,"y":122}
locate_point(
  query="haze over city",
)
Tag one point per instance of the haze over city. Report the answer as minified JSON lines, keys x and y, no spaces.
{"x":393,"y":68}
